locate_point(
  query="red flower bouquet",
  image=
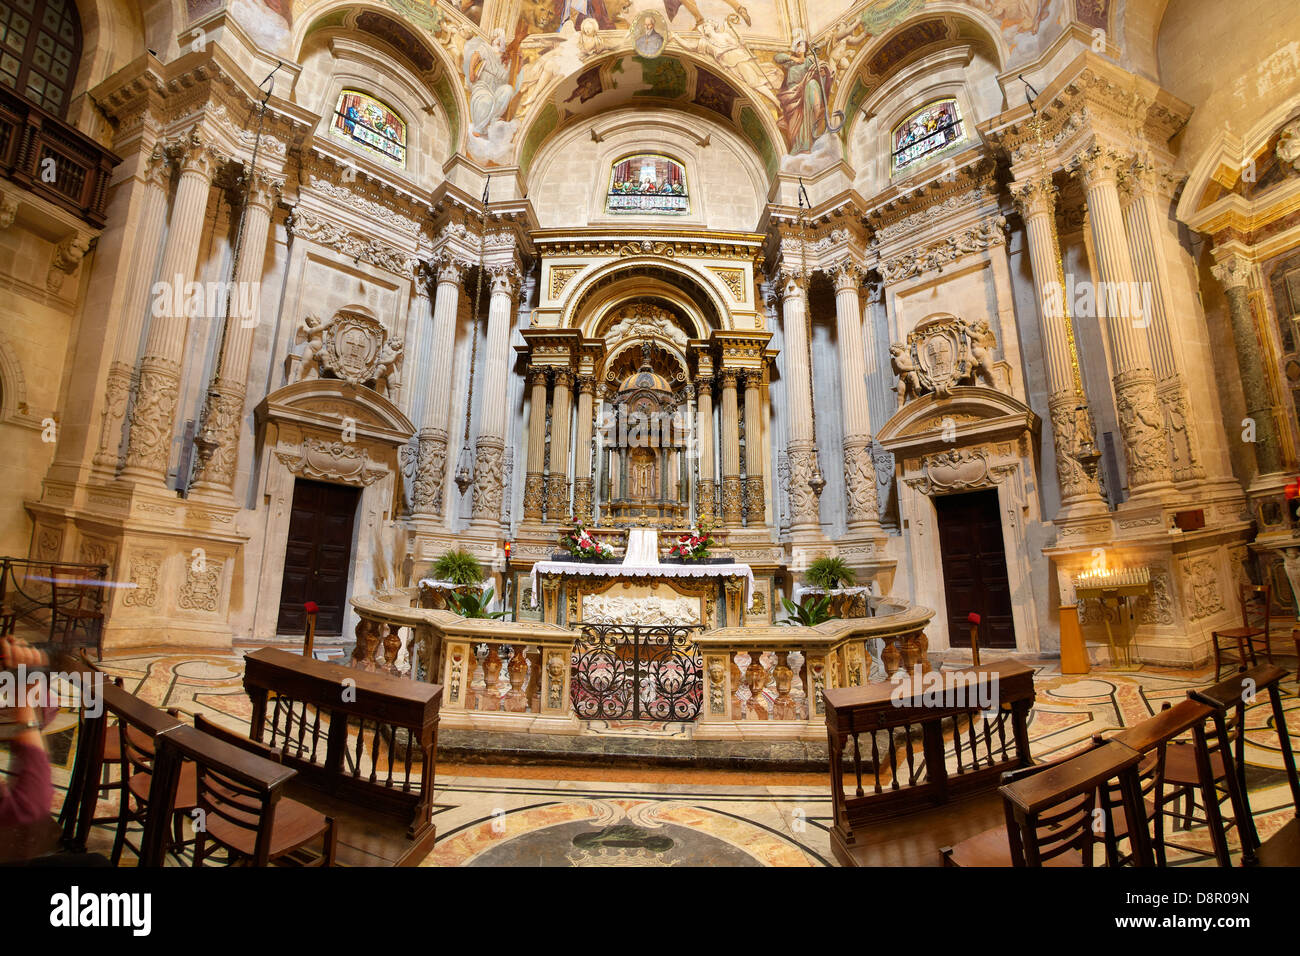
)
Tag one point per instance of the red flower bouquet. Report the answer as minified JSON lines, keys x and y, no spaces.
{"x":580,"y":543}
{"x":693,"y":546}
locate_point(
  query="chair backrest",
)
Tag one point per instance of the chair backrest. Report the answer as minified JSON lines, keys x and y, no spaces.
{"x":66,"y":588}
{"x":1050,"y":813}
{"x":1256,"y":602}
{"x":237,"y":786}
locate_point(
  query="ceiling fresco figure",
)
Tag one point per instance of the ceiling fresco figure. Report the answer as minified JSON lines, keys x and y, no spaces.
{"x":802,"y":95}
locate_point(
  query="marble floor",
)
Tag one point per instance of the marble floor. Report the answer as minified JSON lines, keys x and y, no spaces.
{"x":531,"y":816}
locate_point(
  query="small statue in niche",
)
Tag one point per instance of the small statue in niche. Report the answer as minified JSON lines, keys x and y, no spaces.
{"x":909,"y":379}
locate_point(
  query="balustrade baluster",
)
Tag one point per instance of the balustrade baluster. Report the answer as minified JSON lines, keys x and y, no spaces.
{"x":875,"y":762}
{"x":911,"y":760}
{"x":315,"y":735}
{"x":375,"y":750}
{"x":974,"y":740}
{"x":1002,"y":731}
{"x":275,"y":720}
{"x":956,"y":740}
{"x":356,"y":757}
{"x":302,"y":727}
{"x":988,"y":740}
{"x":392,"y":753}
{"x":406,"y":779}
{"x":893,"y":762}
{"x":857,"y":763}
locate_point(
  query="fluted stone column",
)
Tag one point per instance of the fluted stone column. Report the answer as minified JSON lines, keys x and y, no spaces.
{"x":732,"y":506}
{"x":557,"y":481}
{"x":859,"y":467}
{"x":805,"y":491}
{"x":1133,"y":376}
{"x":705,"y":506}
{"x":489,"y":449}
{"x":153,"y":417}
{"x":1072,"y":425}
{"x":583,"y":485}
{"x":1234,"y":273}
{"x":430,"y":482}
{"x":535,"y":473}
{"x":1143,"y":223}
{"x":755,"y":497}
{"x":223,"y":409}
{"x":147,"y":239}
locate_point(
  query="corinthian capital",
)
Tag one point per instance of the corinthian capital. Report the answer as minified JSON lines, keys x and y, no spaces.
{"x":505,"y":279}
{"x":847,"y":276}
{"x":1098,"y":164}
{"x":1233,"y":272}
{"x":194,"y":153}
{"x":1035,"y":197}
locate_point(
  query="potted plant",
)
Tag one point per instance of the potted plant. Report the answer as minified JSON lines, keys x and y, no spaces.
{"x":456,"y":567}
{"x":581,"y":545}
{"x":808,"y":612}
{"x":474,"y":605}
{"x":833,"y":575}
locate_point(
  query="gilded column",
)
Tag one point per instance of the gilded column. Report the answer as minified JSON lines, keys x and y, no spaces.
{"x":755,"y":497}
{"x":1072,"y":426}
{"x":223,"y":408}
{"x":1234,"y":273}
{"x":859,"y":466}
{"x":153,"y":417}
{"x":557,"y":482}
{"x":535,"y":474}
{"x":1133,"y":375}
{"x":805,"y":484}
{"x":429,"y":485}
{"x":731,"y":495}
{"x":489,"y":449}
{"x":147,"y":239}
{"x":583,"y":486}
{"x":705,"y":507}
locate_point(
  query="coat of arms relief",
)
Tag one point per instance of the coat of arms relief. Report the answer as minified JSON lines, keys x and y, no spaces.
{"x":943,"y":352}
{"x":351,"y":346}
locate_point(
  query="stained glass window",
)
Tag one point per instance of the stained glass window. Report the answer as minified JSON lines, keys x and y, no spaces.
{"x":366,"y":122}
{"x":930,"y":130}
{"x":648,"y":183}
{"x":40,"y":44}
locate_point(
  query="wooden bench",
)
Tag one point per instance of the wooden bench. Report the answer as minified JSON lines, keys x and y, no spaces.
{"x":364,"y":745}
{"x":940,"y":714}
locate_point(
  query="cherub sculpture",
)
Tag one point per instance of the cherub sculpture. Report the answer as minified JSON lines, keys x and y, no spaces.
{"x":313,"y":330}
{"x":980,"y":337}
{"x":909,"y":377}
{"x":389,"y":357}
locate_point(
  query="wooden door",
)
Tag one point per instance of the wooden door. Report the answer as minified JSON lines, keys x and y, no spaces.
{"x":975,"y":568}
{"x":318,"y":555}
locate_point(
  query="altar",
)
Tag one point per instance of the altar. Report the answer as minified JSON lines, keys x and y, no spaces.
{"x":643,"y":590}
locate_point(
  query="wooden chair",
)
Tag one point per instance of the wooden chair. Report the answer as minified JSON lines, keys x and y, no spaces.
{"x":141,"y":724}
{"x":1050,"y":814}
{"x":1283,"y":848}
{"x":73,"y":604}
{"x":1256,"y":602}
{"x":99,"y":753}
{"x":240,"y":802}
{"x":992,"y":847}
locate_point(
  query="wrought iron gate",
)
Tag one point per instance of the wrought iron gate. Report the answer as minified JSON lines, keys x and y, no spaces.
{"x":637,"y":671}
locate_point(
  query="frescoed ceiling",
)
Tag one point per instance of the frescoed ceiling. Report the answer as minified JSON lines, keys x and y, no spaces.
{"x":526,"y":67}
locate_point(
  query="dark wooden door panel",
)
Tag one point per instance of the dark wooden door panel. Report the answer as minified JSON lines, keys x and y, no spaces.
{"x":975,"y":568}
{"x":318,"y":555}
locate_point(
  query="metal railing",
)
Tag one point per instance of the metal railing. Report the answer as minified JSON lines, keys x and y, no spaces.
{"x":28,"y":592}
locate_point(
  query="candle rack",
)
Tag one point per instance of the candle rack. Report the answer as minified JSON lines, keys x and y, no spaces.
{"x":1118,"y":585}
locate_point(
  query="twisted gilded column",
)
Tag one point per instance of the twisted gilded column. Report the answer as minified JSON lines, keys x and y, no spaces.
{"x":223,"y":408}
{"x":705,"y":507}
{"x":148,"y":450}
{"x":1133,"y":376}
{"x":731,"y":495}
{"x":535,"y":473}
{"x":489,"y":449}
{"x":1072,"y":426}
{"x":859,"y":467}
{"x":147,"y":238}
{"x":583,"y":485}
{"x":755,"y":498}
{"x":429,"y":486}
{"x":805,"y":490}
{"x":557,"y":482}
{"x":1234,"y":273}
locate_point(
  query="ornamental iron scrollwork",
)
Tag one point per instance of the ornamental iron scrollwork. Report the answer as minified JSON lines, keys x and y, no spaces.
{"x":637,"y":672}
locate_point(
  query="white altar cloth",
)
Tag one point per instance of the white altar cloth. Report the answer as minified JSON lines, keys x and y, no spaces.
{"x":648,"y":571}
{"x":642,"y":547}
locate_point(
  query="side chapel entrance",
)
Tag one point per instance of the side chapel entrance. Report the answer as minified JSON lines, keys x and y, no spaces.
{"x":975,"y":566}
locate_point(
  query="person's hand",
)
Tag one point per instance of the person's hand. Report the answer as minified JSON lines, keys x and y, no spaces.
{"x":15,"y":653}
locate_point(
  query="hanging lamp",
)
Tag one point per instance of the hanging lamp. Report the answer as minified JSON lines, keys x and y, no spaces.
{"x":465,"y":461}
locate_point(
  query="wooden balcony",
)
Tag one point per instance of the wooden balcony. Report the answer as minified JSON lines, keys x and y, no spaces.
{"x":29,"y":136}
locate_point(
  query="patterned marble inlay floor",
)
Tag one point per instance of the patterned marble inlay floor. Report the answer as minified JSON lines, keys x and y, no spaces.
{"x":525,"y":816}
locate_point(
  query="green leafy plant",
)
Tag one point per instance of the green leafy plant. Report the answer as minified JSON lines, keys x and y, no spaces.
{"x":474,"y":605}
{"x":811,"y":611}
{"x":458,"y":567}
{"x":829,"y":573}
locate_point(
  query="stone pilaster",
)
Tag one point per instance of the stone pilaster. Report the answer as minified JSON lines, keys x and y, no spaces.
{"x":429,"y":486}
{"x":534,"y":476}
{"x":153,"y":417}
{"x":583,"y":485}
{"x":557,"y":482}
{"x":732,"y":504}
{"x":755,"y":495}
{"x":859,"y":467}
{"x":805,"y":489}
{"x":1132,"y":375}
{"x":489,"y":448}
{"x":1072,"y":425}
{"x":705,"y":506}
